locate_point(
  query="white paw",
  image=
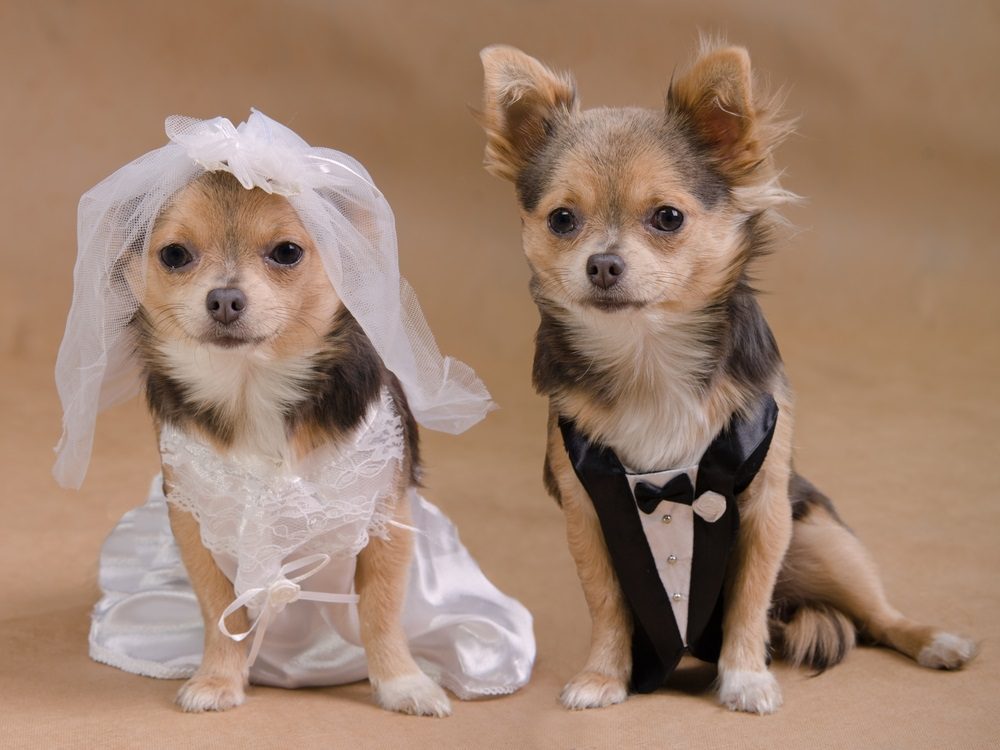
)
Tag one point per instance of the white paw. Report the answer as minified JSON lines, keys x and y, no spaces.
{"x":753,"y":692}
{"x":414,"y":694}
{"x":946,"y":651}
{"x":211,"y":692}
{"x":593,"y":690}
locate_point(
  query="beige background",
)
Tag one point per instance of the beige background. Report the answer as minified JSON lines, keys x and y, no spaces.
{"x":883,"y":301}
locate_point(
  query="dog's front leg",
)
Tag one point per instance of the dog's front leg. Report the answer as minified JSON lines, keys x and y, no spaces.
{"x":604,"y":678}
{"x":745,"y":684}
{"x":222,"y":675}
{"x":398,"y":683}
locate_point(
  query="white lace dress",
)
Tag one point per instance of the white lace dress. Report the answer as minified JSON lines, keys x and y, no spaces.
{"x":288,"y":539}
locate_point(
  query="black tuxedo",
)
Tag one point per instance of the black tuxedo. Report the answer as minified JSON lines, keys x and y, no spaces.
{"x":727,"y":468}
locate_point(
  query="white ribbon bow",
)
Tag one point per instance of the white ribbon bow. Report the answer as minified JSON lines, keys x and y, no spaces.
{"x":279,"y":594}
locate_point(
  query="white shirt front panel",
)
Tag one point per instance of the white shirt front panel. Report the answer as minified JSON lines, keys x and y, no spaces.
{"x":669,"y":532}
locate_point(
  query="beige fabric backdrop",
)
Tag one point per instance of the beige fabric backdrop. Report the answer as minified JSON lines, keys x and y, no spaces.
{"x":883,"y":301}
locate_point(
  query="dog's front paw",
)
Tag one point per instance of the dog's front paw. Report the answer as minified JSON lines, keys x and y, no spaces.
{"x":415,"y":694}
{"x":946,"y":651}
{"x":753,"y":692}
{"x":211,"y":692}
{"x":593,"y":690}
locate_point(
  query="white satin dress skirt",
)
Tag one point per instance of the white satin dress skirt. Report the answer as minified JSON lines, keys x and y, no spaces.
{"x":466,"y":634}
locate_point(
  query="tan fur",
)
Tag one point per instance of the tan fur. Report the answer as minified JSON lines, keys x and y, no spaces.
{"x":764,"y":535}
{"x":381,"y":582}
{"x":826,"y":563}
{"x":221,"y":677}
{"x":662,"y":396}
{"x":380,"y":579}
{"x":291,"y":310}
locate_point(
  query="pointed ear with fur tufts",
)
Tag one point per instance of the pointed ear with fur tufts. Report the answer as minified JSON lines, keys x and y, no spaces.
{"x":521,"y":99}
{"x":717,"y":99}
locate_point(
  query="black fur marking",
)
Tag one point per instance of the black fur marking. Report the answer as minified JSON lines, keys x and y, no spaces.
{"x":534,"y":178}
{"x":558,"y":365}
{"x":168,"y":399}
{"x":549,"y":480}
{"x":783,"y":610}
{"x":821,"y":660}
{"x":747,"y":348}
{"x":749,"y":352}
{"x":805,"y":498}
{"x":694,"y":160}
{"x":708,"y":185}
{"x":348,"y":377}
{"x":757,"y":240}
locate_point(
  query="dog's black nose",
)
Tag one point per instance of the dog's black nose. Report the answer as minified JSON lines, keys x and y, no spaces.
{"x":225,"y":304}
{"x":604,"y":269}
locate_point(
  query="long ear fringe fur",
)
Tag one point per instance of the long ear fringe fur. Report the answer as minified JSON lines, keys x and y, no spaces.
{"x":518,"y":82}
{"x":500,"y":158}
{"x":758,"y":187}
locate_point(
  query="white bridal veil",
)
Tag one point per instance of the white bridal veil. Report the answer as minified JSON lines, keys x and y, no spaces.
{"x":348,"y":218}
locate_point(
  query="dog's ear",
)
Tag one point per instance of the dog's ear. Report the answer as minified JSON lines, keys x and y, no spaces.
{"x":521,"y":99}
{"x":717,"y":99}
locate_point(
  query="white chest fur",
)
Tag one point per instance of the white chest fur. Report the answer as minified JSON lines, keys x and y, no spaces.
{"x":660,"y":417}
{"x":250,"y":388}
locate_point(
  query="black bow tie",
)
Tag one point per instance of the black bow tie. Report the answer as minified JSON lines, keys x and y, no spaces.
{"x":677,"y":490}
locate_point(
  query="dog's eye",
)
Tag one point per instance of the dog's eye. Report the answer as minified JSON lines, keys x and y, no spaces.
{"x":667,"y":219}
{"x":175,"y":256}
{"x":562,"y":221}
{"x":286,"y":254}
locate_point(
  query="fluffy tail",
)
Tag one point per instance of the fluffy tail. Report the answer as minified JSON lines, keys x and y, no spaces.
{"x":816,"y":635}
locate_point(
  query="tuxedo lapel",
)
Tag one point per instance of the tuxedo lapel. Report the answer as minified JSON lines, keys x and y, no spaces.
{"x":728,"y":466}
{"x":657,"y":645}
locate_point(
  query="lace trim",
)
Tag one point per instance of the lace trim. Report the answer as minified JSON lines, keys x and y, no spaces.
{"x":259,"y":510}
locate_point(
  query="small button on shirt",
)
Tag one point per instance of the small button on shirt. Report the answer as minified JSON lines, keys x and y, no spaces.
{"x":669,"y":532}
